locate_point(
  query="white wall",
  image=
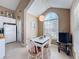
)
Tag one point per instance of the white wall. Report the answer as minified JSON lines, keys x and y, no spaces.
{"x":75,"y":27}
{"x":30,"y":26}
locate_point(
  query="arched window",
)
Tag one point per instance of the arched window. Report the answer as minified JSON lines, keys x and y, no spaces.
{"x":51,"y":25}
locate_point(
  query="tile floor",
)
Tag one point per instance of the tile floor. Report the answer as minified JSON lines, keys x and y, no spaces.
{"x":16,"y":51}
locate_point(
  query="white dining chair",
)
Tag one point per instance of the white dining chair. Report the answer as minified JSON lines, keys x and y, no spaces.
{"x":33,"y":50}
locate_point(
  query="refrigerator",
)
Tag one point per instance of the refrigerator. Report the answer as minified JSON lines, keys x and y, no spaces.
{"x":9,"y":32}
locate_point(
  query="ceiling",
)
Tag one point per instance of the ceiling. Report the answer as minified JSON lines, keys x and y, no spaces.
{"x":39,"y":6}
{"x":10,"y":4}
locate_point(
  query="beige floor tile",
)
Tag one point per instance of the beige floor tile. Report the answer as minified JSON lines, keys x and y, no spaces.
{"x":16,"y":51}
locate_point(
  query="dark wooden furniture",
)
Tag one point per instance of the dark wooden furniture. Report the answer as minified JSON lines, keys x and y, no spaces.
{"x":66,"y":47}
{"x":65,"y":43}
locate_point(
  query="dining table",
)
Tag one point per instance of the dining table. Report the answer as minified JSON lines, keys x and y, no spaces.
{"x":41,"y":42}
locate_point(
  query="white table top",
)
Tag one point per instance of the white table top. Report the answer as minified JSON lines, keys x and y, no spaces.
{"x":40,"y":41}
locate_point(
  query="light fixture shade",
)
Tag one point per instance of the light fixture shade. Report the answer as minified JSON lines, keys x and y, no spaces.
{"x":41,"y":18}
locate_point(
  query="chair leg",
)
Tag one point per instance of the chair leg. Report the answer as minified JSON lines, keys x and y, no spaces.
{"x":36,"y":57}
{"x":28,"y":56}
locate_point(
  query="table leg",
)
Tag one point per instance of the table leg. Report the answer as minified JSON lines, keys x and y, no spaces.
{"x":42,"y":51}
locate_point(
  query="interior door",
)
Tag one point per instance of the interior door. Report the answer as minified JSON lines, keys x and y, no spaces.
{"x":10,"y":32}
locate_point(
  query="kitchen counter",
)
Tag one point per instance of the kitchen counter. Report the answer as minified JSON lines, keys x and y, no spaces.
{"x":1,"y":36}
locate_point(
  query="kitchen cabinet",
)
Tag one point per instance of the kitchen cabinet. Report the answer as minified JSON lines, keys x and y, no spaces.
{"x":2,"y":48}
{"x":9,"y":28}
{"x":6,"y":20}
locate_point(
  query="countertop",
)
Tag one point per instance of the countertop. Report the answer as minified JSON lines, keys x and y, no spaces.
{"x":1,"y":36}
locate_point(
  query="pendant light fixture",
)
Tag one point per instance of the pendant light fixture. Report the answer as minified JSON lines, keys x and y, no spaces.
{"x":41,"y":18}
